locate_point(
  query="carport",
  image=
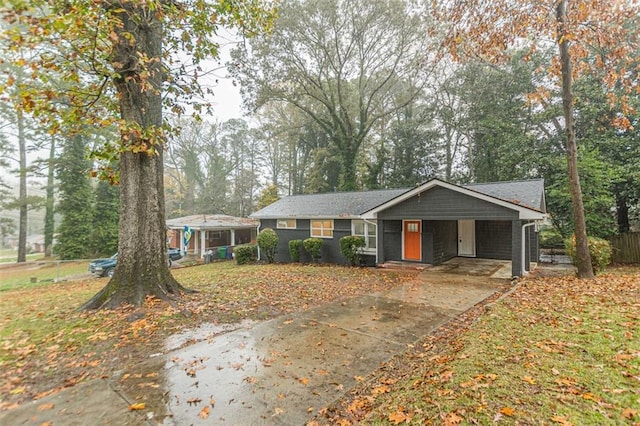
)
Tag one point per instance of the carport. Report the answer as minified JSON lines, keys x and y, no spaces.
{"x":438,"y":221}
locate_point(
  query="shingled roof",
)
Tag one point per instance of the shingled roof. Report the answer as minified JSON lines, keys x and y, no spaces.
{"x":525,"y":193}
{"x":332,"y":204}
{"x":211,"y":222}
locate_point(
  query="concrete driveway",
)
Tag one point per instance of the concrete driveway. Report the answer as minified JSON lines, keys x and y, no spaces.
{"x":273,"y":372}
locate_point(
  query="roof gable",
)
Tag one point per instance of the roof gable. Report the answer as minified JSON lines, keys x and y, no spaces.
{"x":502,"y":190}
{"x":526,"y":197}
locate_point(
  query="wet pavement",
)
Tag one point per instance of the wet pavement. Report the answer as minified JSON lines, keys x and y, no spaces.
{"x":277,"y":372}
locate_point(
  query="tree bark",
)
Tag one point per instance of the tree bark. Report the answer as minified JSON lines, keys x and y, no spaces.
{"x":142,"y":268}
{"x":49,"y":224}
{"x":22,"y":194}
{"x":585,"y":269}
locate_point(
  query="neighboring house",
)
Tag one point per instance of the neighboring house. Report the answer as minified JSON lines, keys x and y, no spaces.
{"x":430,"y":223}
{"x":210,"y":231}
{"x":36,"y":243}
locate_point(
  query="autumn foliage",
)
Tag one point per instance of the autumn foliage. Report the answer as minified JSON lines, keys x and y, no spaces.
{"x":599,"y":249}
{"x":556,"y":350}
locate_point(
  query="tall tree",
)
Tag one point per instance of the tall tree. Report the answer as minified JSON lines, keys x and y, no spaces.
{"x":243,"y":155}
{"x":49,"y":221}
{"x":104,"y":220}
{"x":341,"y":63}
{"x":25,"y":134}
{"x":120,"y":55}
{"x":76,"y":199}
{"x":486,"y":29}
{"x":498,"y":121}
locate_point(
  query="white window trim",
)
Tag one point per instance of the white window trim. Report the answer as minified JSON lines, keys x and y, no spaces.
{"x":322,"y":228}
{"x":295,"y":224}
{"x":367,"y":224}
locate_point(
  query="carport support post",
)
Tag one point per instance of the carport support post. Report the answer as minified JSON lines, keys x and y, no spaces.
{"x":380,"y":242}
{"x":516,"y":248}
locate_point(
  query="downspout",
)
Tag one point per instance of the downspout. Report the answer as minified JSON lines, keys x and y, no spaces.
{"x":523,"y":271}
{"x":258,"y":232}
{"x":376,"y":225}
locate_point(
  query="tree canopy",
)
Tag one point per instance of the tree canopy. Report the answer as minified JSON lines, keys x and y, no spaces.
{"x":117,"y":63}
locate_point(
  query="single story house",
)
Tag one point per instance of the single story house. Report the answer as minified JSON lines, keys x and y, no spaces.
{"x":430,"y":223}
{"x":210,"y":231}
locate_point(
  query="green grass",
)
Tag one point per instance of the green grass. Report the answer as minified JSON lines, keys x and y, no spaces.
{"x":10,"y":256}
{"x":35,"y":274}
{"x":557,"y":351}
{"x":46,"y":343}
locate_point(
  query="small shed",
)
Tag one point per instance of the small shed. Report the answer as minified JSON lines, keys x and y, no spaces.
{"x":210,"y":232}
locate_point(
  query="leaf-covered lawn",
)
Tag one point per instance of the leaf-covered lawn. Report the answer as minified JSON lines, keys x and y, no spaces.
{"x":46,"y":344}
{"x":556,"y":351}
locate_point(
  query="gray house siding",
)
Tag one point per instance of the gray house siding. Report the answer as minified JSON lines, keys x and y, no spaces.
{"x":493,"y":239}
{"x":445,"y":245}
{"x":330,"y":251}
{"x":444,"y":204}
{"x":392,"y":238}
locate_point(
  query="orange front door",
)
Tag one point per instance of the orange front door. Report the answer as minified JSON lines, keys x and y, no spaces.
{"x":412,"y":239}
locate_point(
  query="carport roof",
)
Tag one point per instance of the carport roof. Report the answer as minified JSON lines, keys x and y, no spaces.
{"x":528,"y":194}
{"x":211,"y":222}
{"x":525,"y":197}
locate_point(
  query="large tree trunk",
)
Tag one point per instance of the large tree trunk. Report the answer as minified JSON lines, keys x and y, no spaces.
{"x":142,"y":268}
{"x":585,"y":270}
{"x":22,"y":195}
{"x":49,"y":224}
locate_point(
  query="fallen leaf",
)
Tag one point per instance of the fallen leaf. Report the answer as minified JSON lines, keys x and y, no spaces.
{"x":452,"y":419}
{"x":204,"y":413}
{"x":507,"y":411}
{"x":629,"y":413}
{"x":136,"y":407}
{"x":277,"y":412}
{"x":529,"y":380}
{"x":194,"y":401}
{"x":399,"y":416}
{"x":45,"y":407}
{"x":561,"y":420}
{"x":380,"y":390}
{"x":303,"y":380}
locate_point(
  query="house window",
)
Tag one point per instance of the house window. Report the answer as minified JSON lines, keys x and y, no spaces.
{"x":366,"y":230}
{"x":322,"y":228}
{"x":413,"y":227}
{"x":286,"y":224}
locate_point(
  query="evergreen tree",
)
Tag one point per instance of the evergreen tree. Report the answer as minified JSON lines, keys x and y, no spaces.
{"x":104,"y":238}
{"x":74,"y":232}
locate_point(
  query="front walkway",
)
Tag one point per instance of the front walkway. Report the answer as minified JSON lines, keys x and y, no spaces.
{"x":274,"y":372}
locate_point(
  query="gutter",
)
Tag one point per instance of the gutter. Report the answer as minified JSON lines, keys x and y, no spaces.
{"x":523,"y":271}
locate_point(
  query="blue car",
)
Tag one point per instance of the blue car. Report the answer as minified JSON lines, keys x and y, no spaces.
{"x":106,"y":267}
